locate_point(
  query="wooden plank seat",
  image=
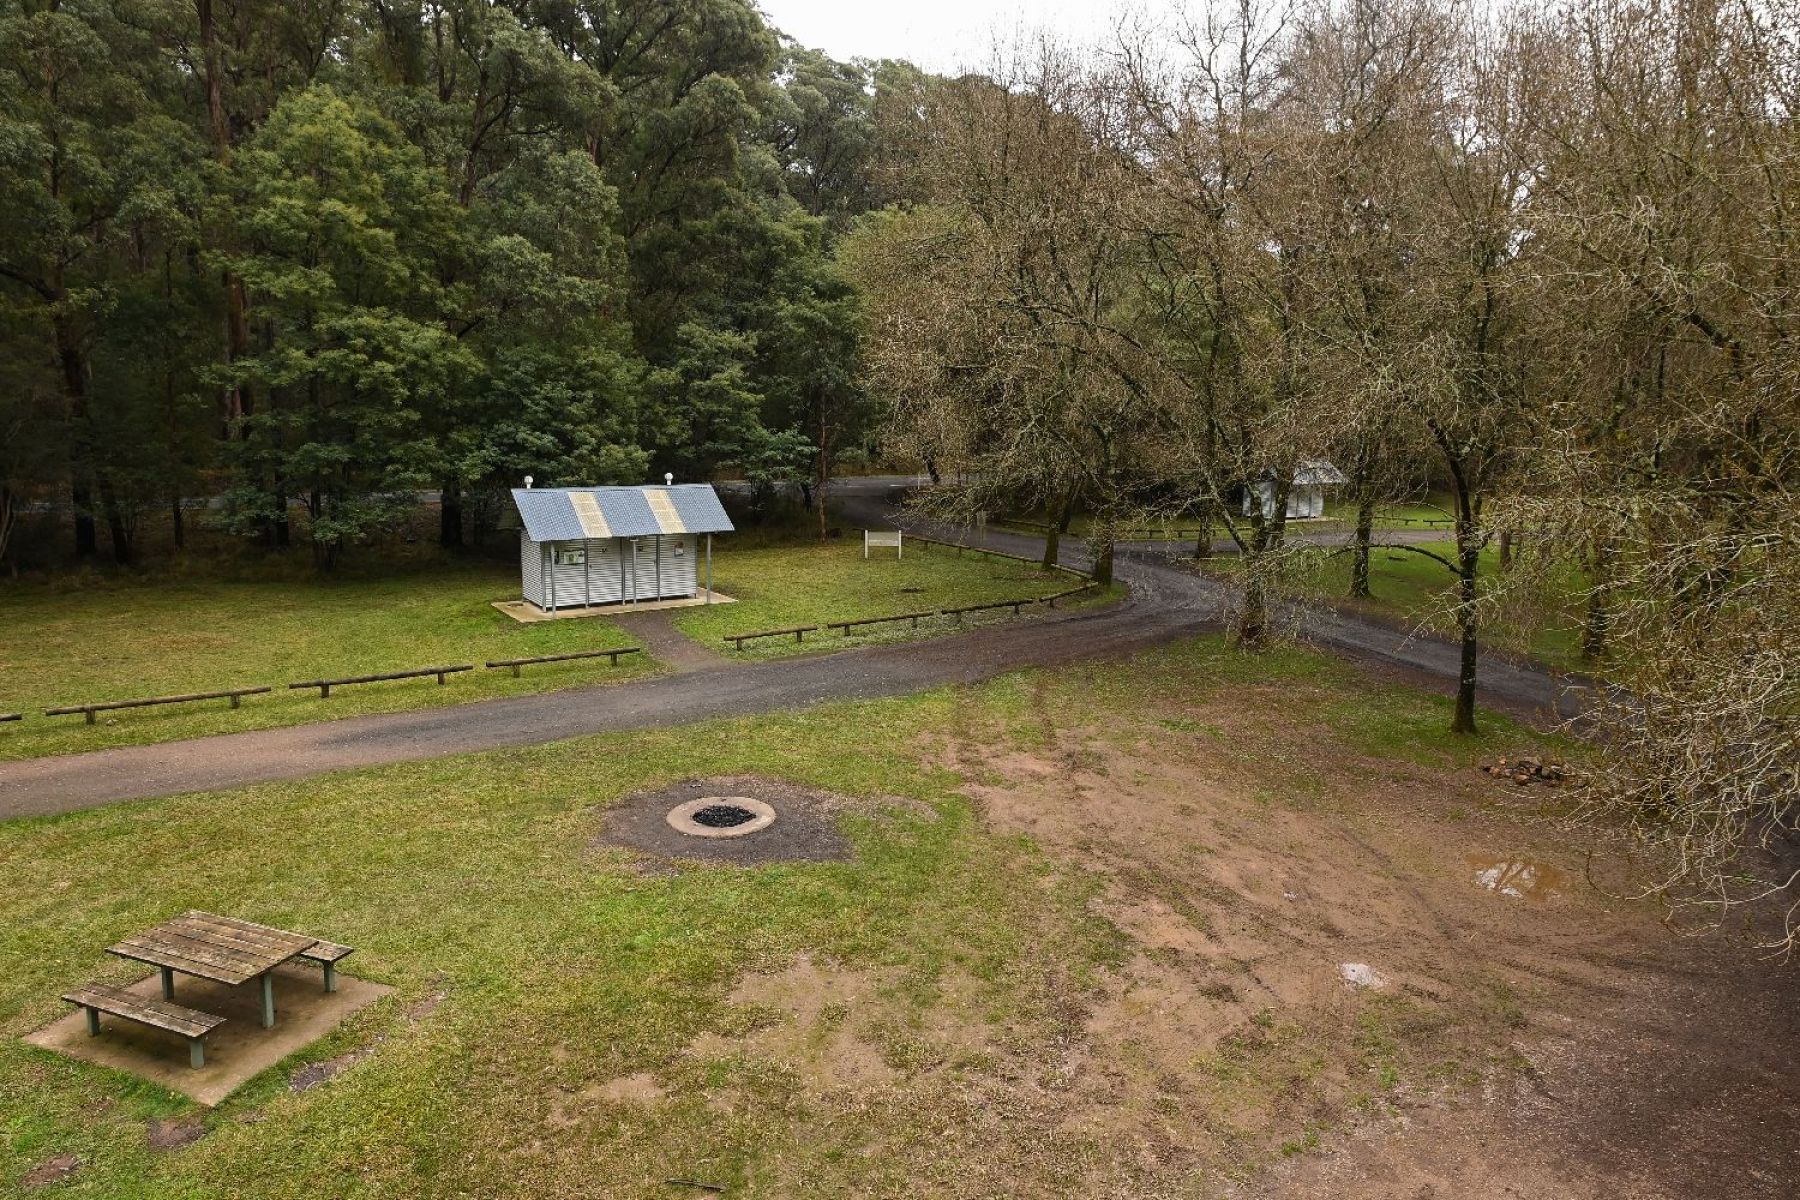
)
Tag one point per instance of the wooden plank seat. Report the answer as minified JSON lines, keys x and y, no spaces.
{"x":189,"y":1023}
{"x":327,"y":955}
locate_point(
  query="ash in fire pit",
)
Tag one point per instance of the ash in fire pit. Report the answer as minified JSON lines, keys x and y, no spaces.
{"x":721,"y":816}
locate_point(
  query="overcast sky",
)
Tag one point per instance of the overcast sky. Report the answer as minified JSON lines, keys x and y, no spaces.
{"x":939,"y":35}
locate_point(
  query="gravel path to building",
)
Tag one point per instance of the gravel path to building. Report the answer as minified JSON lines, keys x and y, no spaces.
{"x":1167,"y":602}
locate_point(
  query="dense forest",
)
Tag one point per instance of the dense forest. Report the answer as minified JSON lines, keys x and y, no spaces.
{"x":342,"y":251}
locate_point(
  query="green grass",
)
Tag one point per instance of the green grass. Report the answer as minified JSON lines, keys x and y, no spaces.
{"x":561,"y":965}
{"x":1338,"y":515}
{"x":121,"y":638}
{"x":125,"y":638}
{"x":1411,"y":587}
{"x":780,"y":588}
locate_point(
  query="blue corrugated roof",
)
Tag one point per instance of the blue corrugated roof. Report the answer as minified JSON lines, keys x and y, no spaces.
{"x":572,"y":514}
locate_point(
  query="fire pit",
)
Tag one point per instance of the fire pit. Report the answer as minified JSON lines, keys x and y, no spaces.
{"x":721,"y":816}
{"x":730,"y":819}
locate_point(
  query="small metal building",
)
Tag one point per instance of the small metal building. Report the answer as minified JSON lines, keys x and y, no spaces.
{"x":1306,"y":495}
{"x":616,"y":545}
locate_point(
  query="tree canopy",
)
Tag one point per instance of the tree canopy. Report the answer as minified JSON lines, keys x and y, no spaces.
{"x":315,"y":258}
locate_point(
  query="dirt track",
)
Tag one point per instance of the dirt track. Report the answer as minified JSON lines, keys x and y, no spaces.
{"x":1166,"y":602}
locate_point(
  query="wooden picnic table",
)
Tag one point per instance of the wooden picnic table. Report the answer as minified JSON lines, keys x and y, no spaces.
{"x":224,"y":949}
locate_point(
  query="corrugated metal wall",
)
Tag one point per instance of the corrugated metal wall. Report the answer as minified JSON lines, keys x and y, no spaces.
{"x":607,"y":577}
{"x":531,"y":571}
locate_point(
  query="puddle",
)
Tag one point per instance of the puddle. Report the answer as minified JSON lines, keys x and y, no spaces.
{"x":1519,"y":878}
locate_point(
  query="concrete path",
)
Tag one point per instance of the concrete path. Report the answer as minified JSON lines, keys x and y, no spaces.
{"x":1167,"y":602}
{"x":656,"y":633}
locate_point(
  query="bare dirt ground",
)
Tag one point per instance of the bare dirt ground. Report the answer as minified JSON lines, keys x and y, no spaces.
{"x":1545,"y":1040}
{"x":1341,"y":976}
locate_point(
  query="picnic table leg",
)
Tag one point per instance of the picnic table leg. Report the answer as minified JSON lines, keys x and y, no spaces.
{"x":196,"y":1053}
{"x":268,"y":1000}
{"x":93,"y":1015}
{"x":168,"y":980}
{"x":331,"y":977}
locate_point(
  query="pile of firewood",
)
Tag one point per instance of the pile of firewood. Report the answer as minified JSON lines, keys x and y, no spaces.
{"x":1523,"y":771}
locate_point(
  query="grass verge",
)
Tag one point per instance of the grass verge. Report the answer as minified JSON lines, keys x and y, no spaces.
{"x":550,"y":964}
{"x":815,"y":585}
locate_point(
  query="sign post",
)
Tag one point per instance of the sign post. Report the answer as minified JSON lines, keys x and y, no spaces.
{"x":879,"y":538}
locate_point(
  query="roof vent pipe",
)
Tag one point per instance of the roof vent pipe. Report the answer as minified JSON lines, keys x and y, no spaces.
{"x":528,"y":483}
{"x":668,"y":478}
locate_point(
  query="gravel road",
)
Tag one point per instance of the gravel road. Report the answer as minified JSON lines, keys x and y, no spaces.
{"x":1167,"y":602}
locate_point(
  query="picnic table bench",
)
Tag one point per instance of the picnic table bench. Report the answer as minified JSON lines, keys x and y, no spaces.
{"x":327,"y":955}
{"x":189,"y":1023}
{"x":226,"y":950}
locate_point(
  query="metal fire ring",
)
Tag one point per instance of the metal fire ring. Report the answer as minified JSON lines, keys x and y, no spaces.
{"x":681,"y":817}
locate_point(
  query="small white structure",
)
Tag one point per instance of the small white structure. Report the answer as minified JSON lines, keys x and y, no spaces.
{"x":1306,"y":495}
{"x":616,"y":545}
{"x":879,"y":538}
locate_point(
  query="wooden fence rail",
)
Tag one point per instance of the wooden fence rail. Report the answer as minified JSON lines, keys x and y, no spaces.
{"x":914,"y":617}
{"x":325,"y":685}
{"x":88,"y":710}
{"x":959,"y":548}
{"x":516,"y":663}
{"x":1074,"y":591}
{"x":1015,"y":605}
{"x":799,"y":632}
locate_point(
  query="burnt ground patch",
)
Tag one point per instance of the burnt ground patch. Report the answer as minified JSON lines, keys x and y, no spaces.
{"x":805,"y":828}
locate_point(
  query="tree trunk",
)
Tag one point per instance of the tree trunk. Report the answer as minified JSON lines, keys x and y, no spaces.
{"x":823,"y":473}
{"x":1270,"y":531}
{"x":237,"y":304}
{"x":1469,"y":563}
{"x":1059,"y":525}
{"x":1203,"y":537}
{"x":81,"y":466}
{"x":87,"y":541}
{"x":8,"y":514}
{"x":1103,"y":557}
{"x":1506,"y":550}
{"x":1251,"y":631}
{"x":450,"y":515}
{"x":177,"y":523}
{"x":117,"y":528}
{"x":1359,"y":559}
{"x":1597,"y":625}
